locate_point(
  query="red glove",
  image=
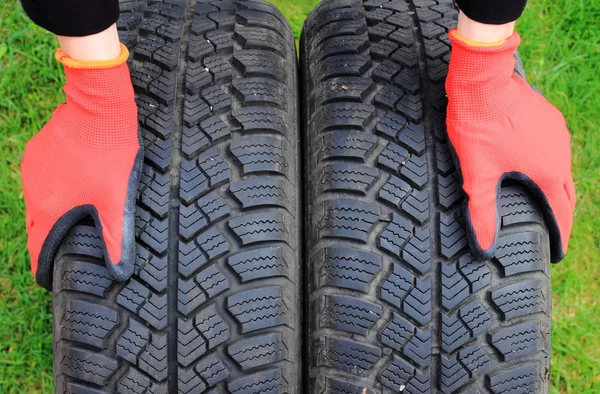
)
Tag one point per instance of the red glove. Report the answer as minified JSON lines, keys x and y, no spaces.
{"x":85,"y":162}
{"x":500,"y":128}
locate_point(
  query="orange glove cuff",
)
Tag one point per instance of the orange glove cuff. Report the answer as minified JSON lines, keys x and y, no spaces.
{"x":66,"y":61}
{"x":454,"y":34}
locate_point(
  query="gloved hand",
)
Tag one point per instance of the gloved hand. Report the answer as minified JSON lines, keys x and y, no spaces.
{"x":500,"y":128}
{"x":85,"y":161}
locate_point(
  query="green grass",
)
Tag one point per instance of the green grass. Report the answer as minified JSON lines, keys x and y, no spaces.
{"x":561,"y":52}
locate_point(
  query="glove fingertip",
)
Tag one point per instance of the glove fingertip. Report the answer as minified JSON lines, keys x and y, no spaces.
{"x":120,"y":249}
{"x":482,"y":233}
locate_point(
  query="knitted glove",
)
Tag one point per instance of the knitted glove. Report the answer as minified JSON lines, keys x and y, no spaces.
{"x":85,"y":162}
{"x":500,"y":128}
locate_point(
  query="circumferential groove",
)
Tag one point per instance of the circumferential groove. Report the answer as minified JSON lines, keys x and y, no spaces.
{"x":174,"y":203}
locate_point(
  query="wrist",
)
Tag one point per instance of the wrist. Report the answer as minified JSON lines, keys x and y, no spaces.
{"x":475,"y":33}
{"x":101,"y":46}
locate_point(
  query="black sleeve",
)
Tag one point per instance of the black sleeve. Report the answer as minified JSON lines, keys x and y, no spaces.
{"x":73,"y":17}
{"x":493,"y":12}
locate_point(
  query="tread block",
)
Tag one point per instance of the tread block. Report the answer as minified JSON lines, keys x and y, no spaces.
{"x":133,"y":382}
{"x":344,"y":144}
{"x":475,"y":360}
{"x":417,"y":251}
{"x":454,"y":333}
{"x":191,"y":257}
{"x":517,"y":206}
{"x":269,"y":381}
{"x":397,"y":332}
{"x":347,"y":268}
{"x":259,"y":227}
{"x":257,"y":63}
{"x":190,"y":345}
{"x":191,"y":221}
{"x":418,"y":347}
{"x":395,"y":235}
{"x":397,"y":285}
{"x":475,"y":316}
{"x":82,"y":240}
{"x":263,"y":119}
{"x":258,"y":192}
{"x":212,"y":326}
{"x":347,"y":177}
{"x":133,"y":295}
{"x":351,"y":89}
{"x":475,"y":272}
{"x":348,"y":219}
{"x":455,"y":288}
{"x":212,"y":370}
{"x":452,"y":234}
{"x":135,"y":339}
{"x":348,"y":356}
{"x":259,"y":308}
{"x":416,"y":205}
{"x":348,"y":314}
{"x":518,"y":253}
{"x":523,"y":379}
{"x":417,"y":303}
{"x":86,"y":278}
{"x":85,"y":365}
{"x":452,"y":374}
{"x":262,"y":39}
{"x":212,"y":281}
{"x":519,"y":299}
{"x":517,"y":341}
{"x":212,"y":243}
{"x":394,"y":191}
{"x":393,"y":157}
{"x":153,"y":357}
{"x":261,"y":263}
{"x":258,"y":351}
{"x":260,"y":154}
{"x":338,"y":116}
{"x":87,"y":323}
{"x":260,"y":91}
{"x":396,"y":374}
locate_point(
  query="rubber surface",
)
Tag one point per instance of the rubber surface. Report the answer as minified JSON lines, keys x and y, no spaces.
{"x":212,"y":304}
{"x":396,"y":302}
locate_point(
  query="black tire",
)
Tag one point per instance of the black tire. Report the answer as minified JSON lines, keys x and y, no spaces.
{"x":396,"y":301}
{"x":212,"y":305}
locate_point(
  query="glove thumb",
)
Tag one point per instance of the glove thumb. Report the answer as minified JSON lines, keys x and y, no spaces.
{"x":482,"y":217}
{"x":118,"y":233}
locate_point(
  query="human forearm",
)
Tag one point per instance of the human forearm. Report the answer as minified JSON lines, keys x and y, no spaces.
{"x":100,"y":46}
{"x":482,"y":33}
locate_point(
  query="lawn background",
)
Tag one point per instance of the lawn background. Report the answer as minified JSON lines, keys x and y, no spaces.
{"x":561,"y":53}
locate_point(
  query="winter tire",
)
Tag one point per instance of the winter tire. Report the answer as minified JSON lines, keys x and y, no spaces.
{"x":397,"y":304}
{"x":213,"y":304}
